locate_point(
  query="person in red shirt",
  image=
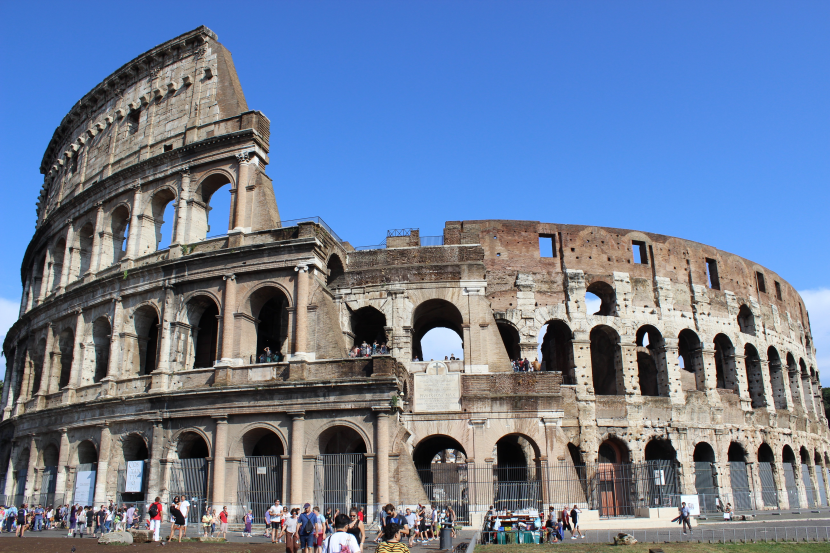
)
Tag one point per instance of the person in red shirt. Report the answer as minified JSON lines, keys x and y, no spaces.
{"x":155,"y":517}
{"x":223,"y":522}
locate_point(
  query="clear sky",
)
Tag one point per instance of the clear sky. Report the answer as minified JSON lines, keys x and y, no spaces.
{"x":703,"y":120}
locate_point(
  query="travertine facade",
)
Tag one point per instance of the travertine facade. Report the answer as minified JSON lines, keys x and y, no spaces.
{"x":123,"y":352}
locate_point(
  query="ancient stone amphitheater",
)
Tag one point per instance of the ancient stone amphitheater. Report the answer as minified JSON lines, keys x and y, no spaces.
{"x":134,"y":371}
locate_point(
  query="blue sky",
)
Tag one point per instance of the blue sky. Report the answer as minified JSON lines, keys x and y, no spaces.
{"x":704,"y":120}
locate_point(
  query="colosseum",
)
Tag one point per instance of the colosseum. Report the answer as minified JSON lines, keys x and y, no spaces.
{"x":136,"y":371}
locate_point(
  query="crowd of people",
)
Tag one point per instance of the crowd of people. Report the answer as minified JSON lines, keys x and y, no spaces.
{"x":550,"y":528}
{"x":525,"y":366}
{"x":366,"y":350}
{"x":77,"y":520}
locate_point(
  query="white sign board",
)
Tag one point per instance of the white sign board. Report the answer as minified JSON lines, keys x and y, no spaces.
{"x":261,"y":470}
{"x":437,"y":390}
{"x":85,"y":487}
{"x":692,"y":503}
{"x":135,"y":476}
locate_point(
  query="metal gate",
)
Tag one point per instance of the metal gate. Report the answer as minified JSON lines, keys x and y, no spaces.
{"x":808,"y":485}
{"x":741,"y":492}
{"x":340,"y":481}
{"x":134,"y":499}
{"x":189,"y":479}
{"x":789,"y":483}
{"x":260,"y":484}
{"x":516,"y":487}
{"x":658,"y":486}
{"x":447,"y":484}
{"x":47,"y":487}
{"x":822,"y":493}
{"x":705,"y":487}
{"x":769,"y":494}
{"x":613,"y":490}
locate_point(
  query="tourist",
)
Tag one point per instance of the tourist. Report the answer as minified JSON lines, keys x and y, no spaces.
{"x":306,"y":523}
{"x":154,"y":512}
{"x":341,"y":541}
{"x":2,"y":518}
{"x":130,"y":516}
{"x":74,"y":520}
{"x":100,"y":517}
{"x":361,"y":515}
{"x":38,"y":519}
{"x":22,"y":525}
{"x":392,"y":540}
{"x":50,"y":517}
{"x":109,"y":518}
{"x":291,"y":531}
{"x":223,"y":522}
{"x":206,"y":522}
{"x":249,"y":522}
{"x":566,"y":519}
{"x":392,"y":517}
{"x":411,"y":521}
{"x":184,"y":507}
{"x":213,"y":520}
{"x":267,"y":532}
{"x":575,"y":522}
{"x":685,"y":518}
{"x":11,"y":517}
{"x":355,"y":527}
{"x":451,"y":519}
{"x":727,"y":512}
{"x":90,"y":519}
{"x":319,"y":530}
{"x":274,"y":515}
{"x":175,"y":519}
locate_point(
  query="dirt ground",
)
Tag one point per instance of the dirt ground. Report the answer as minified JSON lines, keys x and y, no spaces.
{"x":65,"y":545}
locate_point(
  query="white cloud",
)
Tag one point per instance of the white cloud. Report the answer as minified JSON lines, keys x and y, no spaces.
{"x":9,"y":311}
{"x":441,"y":342}
{"x":818,"y":305}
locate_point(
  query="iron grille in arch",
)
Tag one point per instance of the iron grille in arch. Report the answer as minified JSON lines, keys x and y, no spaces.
{"x":340,"y":481}
{"x":260,"y":484}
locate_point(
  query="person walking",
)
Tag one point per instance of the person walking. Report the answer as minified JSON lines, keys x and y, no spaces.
{"x":341,"y":541}
{"x":223,"y":522}
{"x":249,"y":524}
{"x":291,"y":531}
{"x":154,"y":511}
{"x":391,"y":543}
{"x":90,"y":519}
{"x":319,"y":530}
{"x":184,"y":507}
{"x":685,"y":518}
{"x":129,"y":517}
{"x":178,"y":521}
{"x":274,"y":516}
{"x":22,"y":525}
{"x":575,"y":512}
{"x":307,"y":523}
{"x":80,"y":526}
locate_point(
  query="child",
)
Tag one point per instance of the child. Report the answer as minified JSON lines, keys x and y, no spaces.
{"x":249,"y":521}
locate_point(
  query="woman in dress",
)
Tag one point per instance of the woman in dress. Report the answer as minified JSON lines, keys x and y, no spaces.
{"x":249,"y":522}
{"x":356,"y":528}
{"x":178,"y":521}
{"x":291,"y":531}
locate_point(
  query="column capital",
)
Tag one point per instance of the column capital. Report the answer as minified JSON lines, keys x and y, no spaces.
{"x":185,"y":170}
{"x":229,"y":277}
{"x":381,"y":410}
{"x":302,"y":268}
{"x":63,"y":431}
{"x":300,"y":414}
{"x":242,"y":157}
{"x":220,"y":419}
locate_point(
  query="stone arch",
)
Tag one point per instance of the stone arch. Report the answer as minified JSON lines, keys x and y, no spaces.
{"x":66,"y":347}
{"x":201,"y":220}
{"x":606,"y":361}
{"x":84,"y":239}
{"x":776,"y":378}
{"x":607,"y":296}
{"x":765,"y":453}
{"x":58,"y":253}
{"x":330,"y":428}
{"x":49,"y":455}
{"x":368,"y":325}
{"x":746,"y":320}
{"x":115,"y":247}
{"x":795,"y":381}
{"x":201,"y":336}
{"x":38,"y":357}
{"x":336,"y":273}
{"x":101,"y":336}
{"x":134,"y":447}
{"x":787,"y":455}
{"x":190,"y":443}
{"x":434,"y":313}
{"x":557,"y":349}
{"x":152,"y":236}
{"x":804,"y":455}
{"x":736,"y":453}
{"x":86,"y":452}
{"x":342,"y":438}
{"x":754,"y":376}
{"x":437,"y":448}
{"x":143,"y":348}
{"x":259,"y":440}
{"x":703,"y":453}
{"x":660,"y":449}
{"x":510,"y":337}
{"x":516,"y":449}
{"x":651,"y":362}
{"x":692,"y":373}
{"x":613,"y":450}
{"x":725,"y":363}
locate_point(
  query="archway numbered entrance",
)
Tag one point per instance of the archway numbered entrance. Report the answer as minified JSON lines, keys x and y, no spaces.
{"x":261,"y":473}
{"x":188,"y":476}
{"x":441,"y":463}
{"x":340,"y":471}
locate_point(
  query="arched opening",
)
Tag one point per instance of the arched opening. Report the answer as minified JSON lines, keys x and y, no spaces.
{"x":691,"y":361}
{"x":119,"y":230}
{"x":754,"y":376}
{"x":661,"y":460}
{"x":270,"y":307}
{"x":613,"y":479}
{"x":776,"y":378}
{"x":518,"y":477}
{"x":790,"y":471}
{"x":704,"y":459}
{"x":261,"y":471}
{"x":133,"y":449}
{"x":736,"y":453}
{"x":49,"y":474}
{"x":606,"y":361}
{"x":438,"y":449}
{"x":192,"y":446}
{"x":510,"y":338}
{"x":606,"y":296}
{"x":660,"y":450}
{"x":818,"y":470}
{"x":341,"y":469}
{"x":158,"y":233}
{"x":806,"y":387}
{"x":215,"y":218}
{"x":725,"y":363}
{"x":336,"y":272}
{"x":37,"y":367}
{"x":441,"y":465}
{"x":651,"y":362}
{"x":739,"y":477}
{"x":58,"y":252}
{"x":146,"y":321}
{"x":556,"y":350}
{"x":746,"y":320}
{"x":101,"y":334}
{"x":203,"y":317}
{"x":66,"y":345}
{"x":368,"y":326}
{"x":21,"y":470}
{"x":765,"y":454}
{"x":431,"y":314}
{"x":87,"y":453}
{"x":807,"y":477}
{"x":795,"y":382}
{"x":84,"y":239}
{"x":188,"y":476}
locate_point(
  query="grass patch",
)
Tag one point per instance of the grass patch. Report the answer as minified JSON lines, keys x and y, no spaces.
{"x":766,"y":547}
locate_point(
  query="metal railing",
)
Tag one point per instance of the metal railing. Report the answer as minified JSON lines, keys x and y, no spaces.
{"x":742,"y":534}
{"x":318,"y":220}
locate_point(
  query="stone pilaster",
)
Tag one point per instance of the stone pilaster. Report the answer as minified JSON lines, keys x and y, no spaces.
{"x":97,"y":239}
{"x":382,"y":430}
{"x":219,"y":449}
{"x":103,"y":466}
{"x":296,"y":462}
{"x":67,"y":256}
{"x":301,"y":312}
{"x":228,"y":306}
{"x":63,"y":460}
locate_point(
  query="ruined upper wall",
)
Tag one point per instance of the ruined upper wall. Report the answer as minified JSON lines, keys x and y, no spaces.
{"x":144,"y":108}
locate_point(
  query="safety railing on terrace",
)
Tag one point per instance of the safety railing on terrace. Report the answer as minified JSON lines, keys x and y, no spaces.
{"x":425,"y":242}
{"x":318,"y":220}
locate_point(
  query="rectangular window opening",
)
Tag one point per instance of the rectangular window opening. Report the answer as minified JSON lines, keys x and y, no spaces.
{"x":762,"y":286}
{"x":168,"y":147}
{"x":712,"y":273}
{"x":778,"y":291}
{"x":547,"y":245}
{"x":640,"y":252}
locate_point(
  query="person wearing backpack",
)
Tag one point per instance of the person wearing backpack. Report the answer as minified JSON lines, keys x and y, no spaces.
{"x":155,"y":517}
{"x":307,"y":525}
{"x":341,"y":541}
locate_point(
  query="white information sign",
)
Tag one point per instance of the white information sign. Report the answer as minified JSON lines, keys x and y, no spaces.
{"x":85,"y":487}
{"x":135,"y":476}
{"x":261,"y":470}
{"x":692,"y":503}
{"x":437,"y":390}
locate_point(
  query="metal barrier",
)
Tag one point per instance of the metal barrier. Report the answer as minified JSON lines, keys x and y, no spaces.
{"x":318,"y":220}
{"x":701,"y":535}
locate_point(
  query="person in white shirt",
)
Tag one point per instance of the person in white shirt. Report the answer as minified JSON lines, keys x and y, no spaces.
{"x":335,"y":542}
{"x":275,"y":512}
{"x":411,"y":520}
{"x":184,"y":507}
